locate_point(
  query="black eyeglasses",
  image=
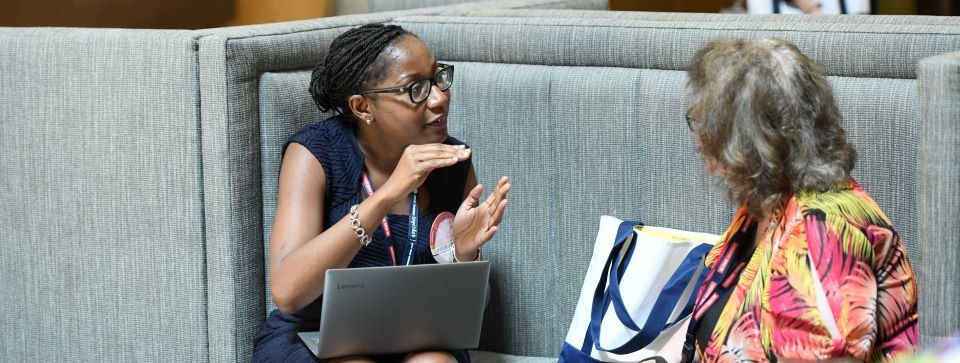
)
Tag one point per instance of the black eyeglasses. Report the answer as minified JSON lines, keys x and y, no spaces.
{"x":420,"y":89}
{"x":690,"y":120}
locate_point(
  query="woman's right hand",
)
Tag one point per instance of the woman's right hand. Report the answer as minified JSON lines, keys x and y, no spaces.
{"x":415,"y":165}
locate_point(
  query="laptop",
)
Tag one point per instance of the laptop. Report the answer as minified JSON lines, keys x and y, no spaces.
{"x":399,"y":309}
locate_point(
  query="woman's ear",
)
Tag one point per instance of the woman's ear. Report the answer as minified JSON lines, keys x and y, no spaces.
{"x":360,"y":108}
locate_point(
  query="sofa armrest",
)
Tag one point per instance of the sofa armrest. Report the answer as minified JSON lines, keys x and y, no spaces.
{"x":938,"y":196}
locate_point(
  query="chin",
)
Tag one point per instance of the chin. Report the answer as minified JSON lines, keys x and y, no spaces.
{"x":436,"y":136}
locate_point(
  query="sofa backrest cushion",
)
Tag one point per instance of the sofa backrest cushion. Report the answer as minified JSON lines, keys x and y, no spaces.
{"x":938,"y":175}
{"x":345,"y":7}
{"x":102,"y":251}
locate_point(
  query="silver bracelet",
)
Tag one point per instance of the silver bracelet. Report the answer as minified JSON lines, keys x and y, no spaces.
{"x":362,"y":235}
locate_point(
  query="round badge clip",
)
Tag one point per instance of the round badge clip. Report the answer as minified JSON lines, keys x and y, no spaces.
{"x":441,"y":238}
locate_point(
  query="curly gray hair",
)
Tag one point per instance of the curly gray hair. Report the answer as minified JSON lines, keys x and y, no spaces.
{"x":766,"y":121}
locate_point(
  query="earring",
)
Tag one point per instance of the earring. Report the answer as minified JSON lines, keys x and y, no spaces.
{"x":369,"y":120}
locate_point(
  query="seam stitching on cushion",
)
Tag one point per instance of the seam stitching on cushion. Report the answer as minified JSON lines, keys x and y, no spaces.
{"x":203,"y":201}
{"x":448,"y":20}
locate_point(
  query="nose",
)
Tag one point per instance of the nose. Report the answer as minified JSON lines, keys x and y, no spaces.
{"x":437,"y":98}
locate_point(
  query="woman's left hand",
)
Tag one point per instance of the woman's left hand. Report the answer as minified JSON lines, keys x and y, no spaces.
{"x":476,"y":222}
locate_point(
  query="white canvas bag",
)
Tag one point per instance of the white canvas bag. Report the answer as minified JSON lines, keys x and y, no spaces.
{"x":637,"y":293}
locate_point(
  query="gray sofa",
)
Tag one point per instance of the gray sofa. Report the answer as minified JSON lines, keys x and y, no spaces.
{"x":139,"y":167}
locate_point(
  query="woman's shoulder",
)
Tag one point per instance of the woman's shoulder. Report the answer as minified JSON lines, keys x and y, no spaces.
{"x":849,"y":215}
{"x":846,"y":202}
{"x":328,"y":139}
{"x":329,"y":131}
{"x":332,"y":143}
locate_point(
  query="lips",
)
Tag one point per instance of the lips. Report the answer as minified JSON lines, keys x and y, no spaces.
{"x":438,"y":122}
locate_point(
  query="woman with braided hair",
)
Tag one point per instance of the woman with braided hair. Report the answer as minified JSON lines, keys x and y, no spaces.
{"x":385,"y":150}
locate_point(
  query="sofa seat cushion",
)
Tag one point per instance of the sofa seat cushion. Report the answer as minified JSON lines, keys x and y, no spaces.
{"x":481,"y":356}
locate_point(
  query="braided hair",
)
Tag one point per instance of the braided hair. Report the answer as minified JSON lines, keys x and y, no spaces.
{"x":352,"y":64}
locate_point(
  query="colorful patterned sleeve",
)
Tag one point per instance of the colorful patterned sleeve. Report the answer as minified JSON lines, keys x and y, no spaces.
{"x":843,"y":290}
{"x":824,"y":306}
{"x":850,"y":290}
{"x":896,"y":306}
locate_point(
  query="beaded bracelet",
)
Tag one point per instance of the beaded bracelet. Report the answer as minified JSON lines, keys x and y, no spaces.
{"x":362,"y":235}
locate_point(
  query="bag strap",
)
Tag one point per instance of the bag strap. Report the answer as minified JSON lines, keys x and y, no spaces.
{"x":716,"y":280}
{"x":624,"y":232}
{"x":663,"y":307}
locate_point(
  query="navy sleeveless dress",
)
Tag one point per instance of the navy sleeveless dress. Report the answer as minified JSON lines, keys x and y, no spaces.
{"x":333,"y":142}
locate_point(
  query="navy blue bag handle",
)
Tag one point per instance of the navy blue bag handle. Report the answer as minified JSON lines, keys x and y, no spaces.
{"x":624,"y":232}
{"x":666,"y":302}
{"x":663,"y":307}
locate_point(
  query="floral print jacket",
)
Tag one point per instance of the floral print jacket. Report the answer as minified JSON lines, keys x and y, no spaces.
{"x":831,"y":280}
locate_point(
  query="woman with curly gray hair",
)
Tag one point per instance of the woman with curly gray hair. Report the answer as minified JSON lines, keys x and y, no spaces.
{"x":810,"y":268}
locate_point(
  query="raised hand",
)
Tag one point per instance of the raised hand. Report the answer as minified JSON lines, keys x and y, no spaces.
{"x":415,"y":165}
{"x":476,"y":222}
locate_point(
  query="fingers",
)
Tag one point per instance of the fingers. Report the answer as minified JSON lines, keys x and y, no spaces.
{"x":488,"y":234}
{"x":498,"y":213}
{"x":481,"y":221}
{"x":418,"y":161}
{"x":503,"y":186}
{"x":475,"y":193}
{"x":473,"y":198}
{"x":497,"y":204}
{"x":438,"y":155}
{"x":499,"y":193}
{"x":427,"y":158}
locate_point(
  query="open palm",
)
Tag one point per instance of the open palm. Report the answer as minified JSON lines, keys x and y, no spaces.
{"x":475,"y":222}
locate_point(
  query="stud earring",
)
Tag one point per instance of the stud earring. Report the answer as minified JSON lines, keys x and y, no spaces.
{"x":369,"y":120}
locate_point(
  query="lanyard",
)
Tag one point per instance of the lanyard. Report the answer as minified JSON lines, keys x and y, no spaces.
{"x":411,"y":237}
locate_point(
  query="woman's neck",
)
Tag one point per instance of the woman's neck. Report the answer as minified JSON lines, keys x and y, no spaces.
{"x":767,"y":223}
{"x":380,"y":156}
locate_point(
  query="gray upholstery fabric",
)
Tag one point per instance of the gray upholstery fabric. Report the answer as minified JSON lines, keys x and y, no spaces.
{"x":571,"y":158}
{"x":285,"y":108}
{"x":102,"y":253}
{"x":232,"y":177}
{"x":524,"y":148}
{"x":861,"y":50}
{"x":232,"y":208}
{"x":345,"y":7}
{"x":938,"y":84}
{"x":719,"y":18}
{"x":480,"y":356}
{"x":141,"y":166}
{"x":880,"y":118}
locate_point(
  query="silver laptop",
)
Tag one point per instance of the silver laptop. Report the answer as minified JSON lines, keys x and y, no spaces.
{"x":396,"y":309}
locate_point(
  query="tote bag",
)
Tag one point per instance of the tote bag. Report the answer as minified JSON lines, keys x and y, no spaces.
{"x":637,"y":294}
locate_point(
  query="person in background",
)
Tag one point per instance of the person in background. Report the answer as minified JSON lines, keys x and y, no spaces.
{"x":810,"y":268}
{"x":384,"y":159}
{"x":808,"y":6}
